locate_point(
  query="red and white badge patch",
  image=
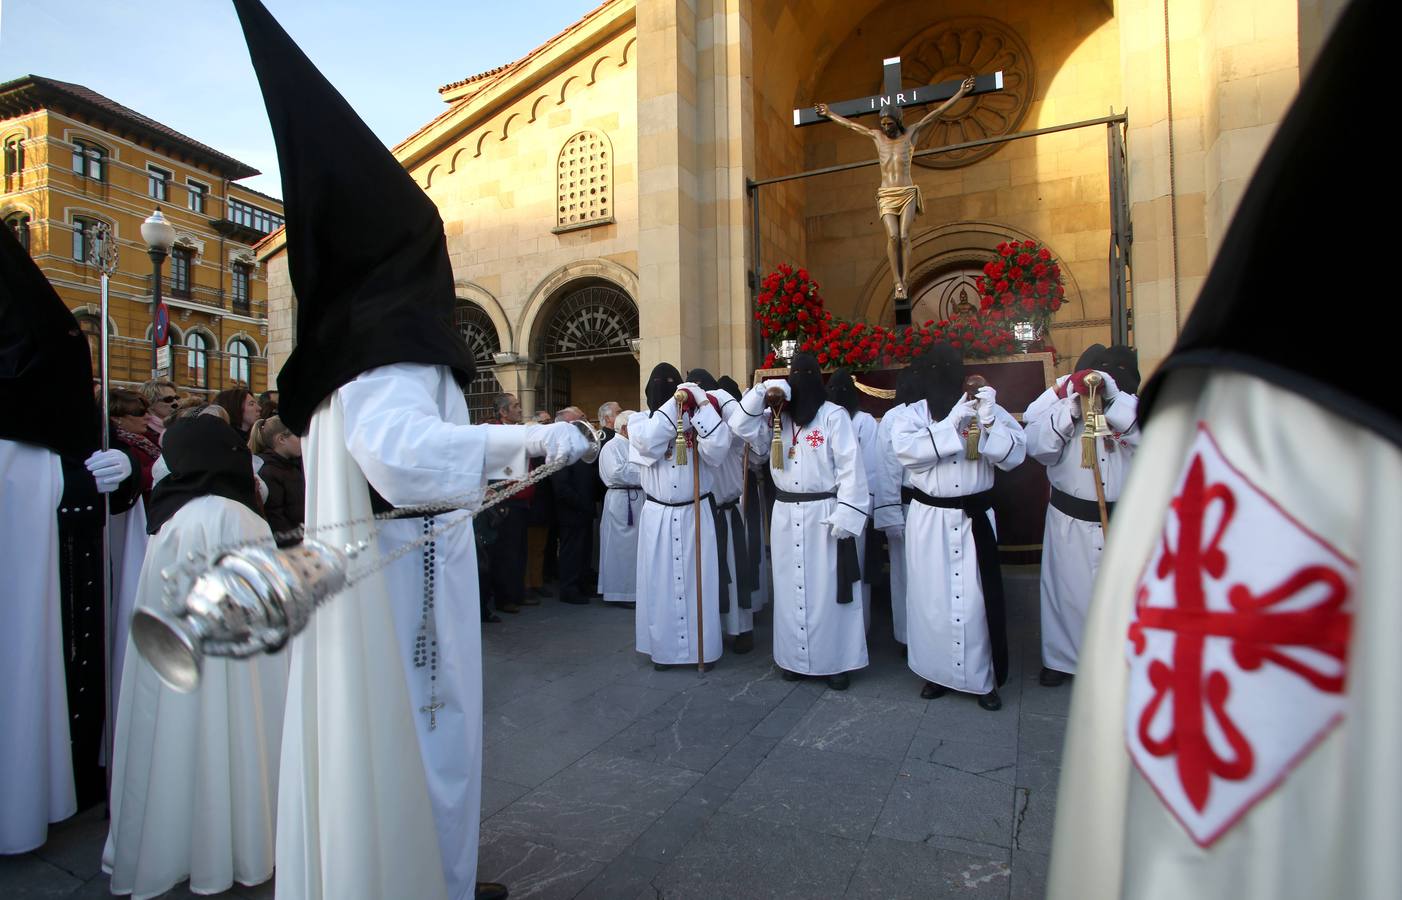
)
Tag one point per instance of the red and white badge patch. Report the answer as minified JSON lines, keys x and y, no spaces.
{"x":815,"y":439}
{"x":1238,"y":649}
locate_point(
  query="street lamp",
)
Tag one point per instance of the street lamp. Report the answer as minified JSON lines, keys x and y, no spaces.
{"x":159,"y":237}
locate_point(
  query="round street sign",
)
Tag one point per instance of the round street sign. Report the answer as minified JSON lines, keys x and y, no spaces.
{"x":162,"y":324}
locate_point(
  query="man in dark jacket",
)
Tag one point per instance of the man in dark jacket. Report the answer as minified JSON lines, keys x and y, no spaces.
{"x":575,"y":487}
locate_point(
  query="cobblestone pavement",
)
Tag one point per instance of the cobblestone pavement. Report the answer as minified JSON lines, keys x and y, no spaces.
{"x":606,"y":779}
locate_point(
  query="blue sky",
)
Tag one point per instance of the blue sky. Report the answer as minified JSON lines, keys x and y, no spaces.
{"x":185,"y":64}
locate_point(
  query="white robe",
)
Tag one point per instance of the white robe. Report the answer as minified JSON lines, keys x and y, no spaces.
{"x":356,"y":812}
{"x":813,"y":633}
{"x":728,"y":480}
{"x":129,"y":541}
{"x":865,"y":427}
{"x":618,"y":527}
{"x":194,"y":780}
{"x":1071,"y":548}
{"x":1328,"y":827}
{"x":36,"y":766}
{"x":948,"y":625}
{"x":888,"y":511}
{"x":666,"y":611}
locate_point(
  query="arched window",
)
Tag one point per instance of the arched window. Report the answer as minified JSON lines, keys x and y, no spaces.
{"x":952,"y":292}
{"x":19,"y":224}
{"x":596,"y":320}
{"x":240,"y":352}
{"x":584,"y":182}
{"x":14,"y":154}
{"x":480,"y":335}
{"x":197,"y":359}
{"x":89,"y":159}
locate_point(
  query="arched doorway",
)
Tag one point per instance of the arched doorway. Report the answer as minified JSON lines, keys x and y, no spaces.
{"x":949,"y":293}
{"x":586,"y":345}
{"x":480,"y":335}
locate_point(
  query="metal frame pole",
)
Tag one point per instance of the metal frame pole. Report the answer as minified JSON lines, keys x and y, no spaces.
{"x":105,"y":252}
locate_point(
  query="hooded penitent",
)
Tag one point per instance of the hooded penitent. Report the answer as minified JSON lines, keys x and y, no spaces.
{"x":843,"y":391}
{"x":728,"y":384}
{"x":908,"y":386}
{"x":206,"y":457}
{"x":1122,"y":364}
{"x":806,"y":386}
{"x":940,"y":371}
{"x":1256,"y":314}
{"x":703,"y":379}
{"x":365,"y":246}
{"x":661,"y":385}
{"x":45,"y":367}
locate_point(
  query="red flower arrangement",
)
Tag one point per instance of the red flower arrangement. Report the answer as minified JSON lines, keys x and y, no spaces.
{"x":789,"y":307}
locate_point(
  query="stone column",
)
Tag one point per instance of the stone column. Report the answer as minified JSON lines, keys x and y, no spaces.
{"x":521,"y":378}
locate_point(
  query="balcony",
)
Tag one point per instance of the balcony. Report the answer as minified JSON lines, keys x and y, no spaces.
{"x":237,"y":231}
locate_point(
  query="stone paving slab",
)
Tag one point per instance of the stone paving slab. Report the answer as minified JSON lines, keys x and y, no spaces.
{"x":606,"y":779}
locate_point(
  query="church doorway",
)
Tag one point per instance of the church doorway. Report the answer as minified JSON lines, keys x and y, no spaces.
{"x":586,"y":346}
{"x":477,"y":330}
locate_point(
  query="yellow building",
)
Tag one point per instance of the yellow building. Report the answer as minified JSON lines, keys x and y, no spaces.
{"x":608,"y":198}
{"x":74,"y":159}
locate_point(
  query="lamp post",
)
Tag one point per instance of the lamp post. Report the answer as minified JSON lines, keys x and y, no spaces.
{"x":159,"y":237}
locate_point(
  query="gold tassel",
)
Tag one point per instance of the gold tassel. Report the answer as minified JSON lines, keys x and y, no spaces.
{"x":776,"y":446}
{"x":679,"y":457}
{"x":1093,"y":424}
{"x":971,"y":440}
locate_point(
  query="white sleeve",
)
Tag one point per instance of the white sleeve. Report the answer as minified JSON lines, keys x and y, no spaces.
{"x":1049,"y":433}
{"x":919,"y":446}
{"x":1123,"y":416}
{"x":853,"y":499}
{"x":1003,"y":443}
{"x":750,"y":420}
{"x":397,"y":435}
{"x":886,"y":487}
{"x":649,"y":436}
{"x":713,"y":435}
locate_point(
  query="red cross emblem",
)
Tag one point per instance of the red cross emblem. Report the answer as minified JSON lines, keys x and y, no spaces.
{"x":814,"y":439}
{"x":1238,"y":649}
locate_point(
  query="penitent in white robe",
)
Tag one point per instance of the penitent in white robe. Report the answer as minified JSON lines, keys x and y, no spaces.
{"x":129,"y":539}
{"x":888,"y":511}
{"x":813,"y":633}
{"x":1317,"y":810}
{"x":358,"y":814}
{"x":865,"y":427}
{"x":948,"y":625}
{"x":666,"y":612}
{"x":728,"y":480}
{"x":618,"y":528}
{"x":194,"y":781}
{"x":1071,"y":548}
{"x":36,"y":766}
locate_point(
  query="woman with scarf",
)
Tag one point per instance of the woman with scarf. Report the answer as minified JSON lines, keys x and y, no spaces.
{"x":194,"y":781}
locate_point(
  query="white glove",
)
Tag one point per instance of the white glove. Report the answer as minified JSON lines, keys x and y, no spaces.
{"x":987,"y":396}
{"x":894,"y":532}
{"x":698,"y":396}
{"x":109,"y":468}
{"x":961,"y":413}
{"x":1111,"y":390}
{"x":556,"y":441}
{"x":838,"y":532}
{"x":781,"y":384}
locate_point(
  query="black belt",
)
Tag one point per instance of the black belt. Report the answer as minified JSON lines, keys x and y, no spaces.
{"x":705,"y":496}
{"x":753,"y":537}
{"x":630,"y":491}
{"x":976,"y":507}
{"x":849,"y":567}
{"x":1076,"y":508}
{"x":907,"y":495}
{"x":724,"y":531}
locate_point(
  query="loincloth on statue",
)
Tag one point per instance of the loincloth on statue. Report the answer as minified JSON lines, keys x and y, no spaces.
{"x":892,"y":201}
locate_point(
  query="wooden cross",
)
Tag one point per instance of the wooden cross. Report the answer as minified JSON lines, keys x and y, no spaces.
{"x":893,"y":95}
{"x":432,"y":710}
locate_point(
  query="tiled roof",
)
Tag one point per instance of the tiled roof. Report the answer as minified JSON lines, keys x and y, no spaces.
{"x":500,"y":70}
{"x":32,"y":92}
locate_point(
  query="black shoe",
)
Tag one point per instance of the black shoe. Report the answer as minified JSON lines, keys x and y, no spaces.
{"x":529,"y":600}
{"x":932,"y":691}
{"x":991,"y":701}
{"x":1051,"y":678}
{"x":839,"y":682}
{"x":744,"y":642}
{"x":510,"y":608}
{"x":490,"y":890}
{"x":491,"y":618}
{"x":660,"y":667}
{"x":789,"y":676}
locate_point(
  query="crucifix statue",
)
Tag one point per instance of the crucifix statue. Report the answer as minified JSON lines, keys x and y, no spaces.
{"x":898,"y":198}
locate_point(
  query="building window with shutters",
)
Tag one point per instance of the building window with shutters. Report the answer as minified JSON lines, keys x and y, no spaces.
{"x":240,"y":354}
{"x":158,"y":183}
{"x":197,"y":359}
{"x":181,"y":263}
{"x":89,"y":160}
{"x":18,"y":223}
{"x":242,"y":275}
{"x":195,"y":195}
{"x":584,"y":182}
{"x":14,"y":154}
{"x":87,"y":247}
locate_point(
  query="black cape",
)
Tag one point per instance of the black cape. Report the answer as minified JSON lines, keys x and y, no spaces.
{"x":1315,"y":197}
{"x":45,"y":367}
{"x":365,"y":246}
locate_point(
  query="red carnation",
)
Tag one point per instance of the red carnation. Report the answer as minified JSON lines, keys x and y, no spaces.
{"x":822,"y":359}
{"x":1029,"y":243}
{"x":1004,"y":250}
{"x":1024,"y":259}
{"x":1044,"y":254}
{"x":1039,"y":270}
{"x":803,"y":274}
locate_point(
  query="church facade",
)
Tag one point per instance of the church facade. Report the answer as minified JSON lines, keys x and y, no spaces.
{"x":609,"y":203}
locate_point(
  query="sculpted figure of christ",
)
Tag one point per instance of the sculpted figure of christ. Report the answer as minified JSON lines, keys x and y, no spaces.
{"x":898,"y":198}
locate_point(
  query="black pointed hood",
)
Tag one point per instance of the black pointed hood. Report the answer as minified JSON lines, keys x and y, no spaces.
{"x":661,"y":385}
{"x":842,"y":390}
{"x":730,"y":386}
{"x":45,"y":366}
{"x":365,"y":245}
{"x":908,"y":386}
{"x":940,"y":374}
{"x":206,"y":456}
{"x":1315,"y":196}
{"x":806,"y":384}
{"x":703,"y":379}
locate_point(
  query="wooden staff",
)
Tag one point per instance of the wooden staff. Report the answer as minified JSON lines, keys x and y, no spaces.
{"x":682,"y":398}
{"x":1093,"y":430}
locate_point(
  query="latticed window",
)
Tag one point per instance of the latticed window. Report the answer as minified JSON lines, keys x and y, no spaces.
{"x":584,"y":181}
{"x":480,"y":335}
{"x":598,"y":320}
{"x":18,"y":223}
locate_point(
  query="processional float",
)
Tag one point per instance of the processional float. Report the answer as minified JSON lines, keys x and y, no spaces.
{"x":250,"y":598}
